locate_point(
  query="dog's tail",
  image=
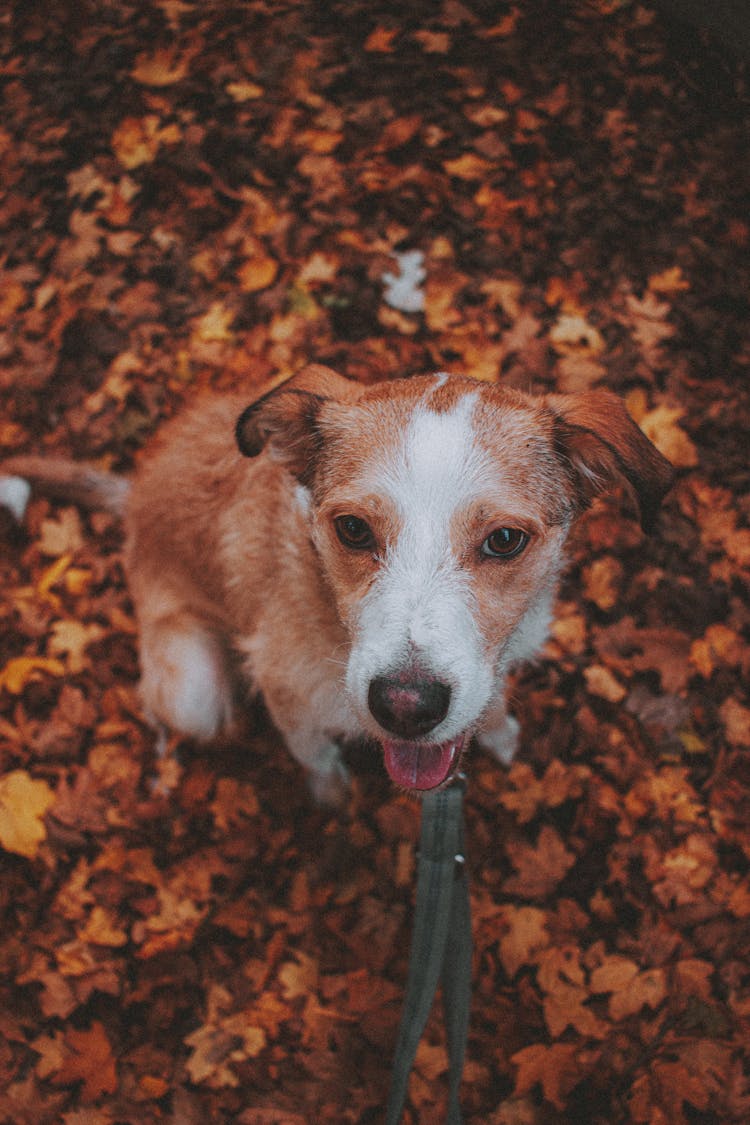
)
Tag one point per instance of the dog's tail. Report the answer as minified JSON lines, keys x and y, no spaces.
{"x":62,"y":479}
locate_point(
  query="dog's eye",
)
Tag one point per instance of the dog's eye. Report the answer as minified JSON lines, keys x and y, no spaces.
{"x":354,"y":533}
{"x":505,"y":543}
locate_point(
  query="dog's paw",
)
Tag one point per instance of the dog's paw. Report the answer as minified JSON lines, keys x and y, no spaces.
{"x":502,"y":742}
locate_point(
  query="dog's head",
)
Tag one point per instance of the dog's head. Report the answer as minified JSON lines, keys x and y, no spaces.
{"x":439,"y":507}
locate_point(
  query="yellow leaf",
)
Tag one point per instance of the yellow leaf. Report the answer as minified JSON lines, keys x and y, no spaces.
{"x":71,"y":638}
{"x":573,"y":333}
{"x":23,"y":803}
{"x":22,"y":670}
{"x":601,"y":682}
{"x":62,"y":536}
{"x":161,"y":68}
{"x":660,"y":426}
{"x":668,"y":281}
{"x":468,"y":167}
{"x":213,"y":326}
{"x":136,"y":140}
{"x":102,"y":929}
{"x":257,"y":273}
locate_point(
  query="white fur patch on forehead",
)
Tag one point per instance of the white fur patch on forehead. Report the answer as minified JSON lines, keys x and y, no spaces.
{"x":438,"y":464}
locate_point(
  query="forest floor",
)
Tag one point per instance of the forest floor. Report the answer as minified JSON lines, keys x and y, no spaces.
{"x":208,"y":195}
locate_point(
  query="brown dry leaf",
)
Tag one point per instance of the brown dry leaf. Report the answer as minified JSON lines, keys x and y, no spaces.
{"x":563,"y":981}
{"x":540,"y":867}
{"x":601,"y":683}
{"x":736,"y":719}
{"x":71,"y":639}
{"x":213,"y":326}
{"x":630,"y":988}
{"x":244,"y":91}
{"x":63,"y":535}
{"x":556,"y":1068}
{"x":381,"y":39}
{"x":434,"y":42}
{"x":524,"y":935}
{"x":681,"y":875}
{"x":670,"y":280}
{"x":235,"y":802}
{"x":572,"y":334}
{"x":101,"y":928}
{"x":719,"y":646}
{"x":136,"y":140}
{"x":162,"y":68}
{"x":89,"y":1059}
{"x":23,"y":804}
{"x":469,"y":166}
{"x":602,"y":582}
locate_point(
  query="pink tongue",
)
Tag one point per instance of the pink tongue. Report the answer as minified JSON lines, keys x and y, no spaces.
{"x":415,"y":765}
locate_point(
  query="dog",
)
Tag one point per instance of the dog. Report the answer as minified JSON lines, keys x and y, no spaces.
{"x":372,"y":560}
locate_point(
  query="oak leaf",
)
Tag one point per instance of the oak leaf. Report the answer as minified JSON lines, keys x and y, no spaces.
{"x":23,"y":804}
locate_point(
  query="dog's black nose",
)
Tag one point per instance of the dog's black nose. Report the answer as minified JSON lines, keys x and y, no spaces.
{"x":408,"y":704}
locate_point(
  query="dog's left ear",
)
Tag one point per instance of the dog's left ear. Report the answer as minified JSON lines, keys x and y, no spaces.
{"x":286,"y":418}
{"x":601,"y":444}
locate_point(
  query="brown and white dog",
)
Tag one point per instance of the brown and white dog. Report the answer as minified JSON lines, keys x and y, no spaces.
{"x":374,"y":559}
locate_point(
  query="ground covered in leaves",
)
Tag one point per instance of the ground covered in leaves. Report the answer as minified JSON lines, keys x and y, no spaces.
{"x":209,"y":195}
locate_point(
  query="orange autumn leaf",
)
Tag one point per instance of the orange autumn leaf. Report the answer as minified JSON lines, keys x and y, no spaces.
{"x":257,"y":273}
{"x":22,"y":670}
{"x":525,"y":934}
{"x":661,"y":427}
{"x":23,"y":804}
{"x":88,"y":1060}
{"x":540,"y":867}
{"x":162,"y":68}
{"x":555,"y":1068}
{"x":381,"y":40}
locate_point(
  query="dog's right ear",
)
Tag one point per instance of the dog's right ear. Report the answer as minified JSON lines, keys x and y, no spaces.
{"x":286,"y":418}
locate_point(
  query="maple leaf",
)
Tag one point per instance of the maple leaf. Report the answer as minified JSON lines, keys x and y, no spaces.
{"x":23,"y":804}
{"x":556,"y":1068}
{"x":525,"y":934}
{"x":540,"y":867}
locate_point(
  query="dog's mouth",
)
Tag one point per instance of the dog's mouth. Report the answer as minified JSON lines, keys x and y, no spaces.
{"x":422,"y":765}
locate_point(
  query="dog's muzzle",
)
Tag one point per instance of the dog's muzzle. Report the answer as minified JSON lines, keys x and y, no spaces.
{"x":409,"y":704}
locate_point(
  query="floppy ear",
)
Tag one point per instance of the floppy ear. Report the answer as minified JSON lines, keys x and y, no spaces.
{"x":286,"y":418}
{"x":601,"y":444}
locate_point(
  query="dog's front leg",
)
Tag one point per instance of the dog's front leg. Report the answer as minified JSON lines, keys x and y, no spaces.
{"x":313,"y":747}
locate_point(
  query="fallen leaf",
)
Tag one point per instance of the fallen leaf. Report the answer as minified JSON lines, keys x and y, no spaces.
{"x":660,"y":426}
{"x":23,"y":804}
{"x":556,"y":1068}
{"x":22,"y":670}
{"x":88,"y":1060}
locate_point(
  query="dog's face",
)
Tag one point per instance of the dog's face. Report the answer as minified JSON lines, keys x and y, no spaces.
{"x":439,"y":508}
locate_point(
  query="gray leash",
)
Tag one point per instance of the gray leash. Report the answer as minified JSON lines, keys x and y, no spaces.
{"x":440,"y":947}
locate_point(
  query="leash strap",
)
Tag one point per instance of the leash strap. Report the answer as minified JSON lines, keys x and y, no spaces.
{"x":440,"y":947}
